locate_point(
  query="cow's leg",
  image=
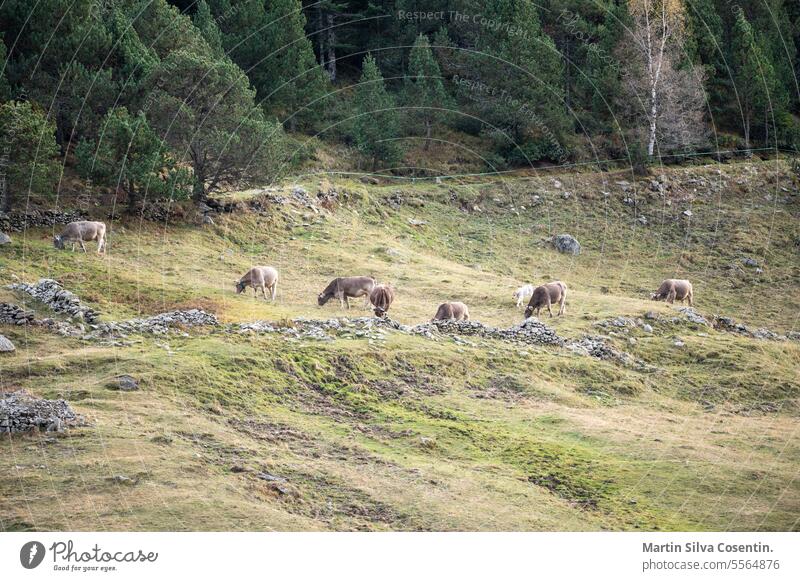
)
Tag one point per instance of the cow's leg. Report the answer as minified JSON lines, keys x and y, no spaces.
{"x":562,"y":305}
{"x":549,"y":304}
{"x":83,"y":247}
{"x":73,"y":247}
{"x":264,"y":290}
{"x":273,"y":290}
{"x":690,"y":296}
{"x":671,"y":297}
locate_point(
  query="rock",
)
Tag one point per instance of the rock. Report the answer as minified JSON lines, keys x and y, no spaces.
{"x":124,"y":383}
{"x":651,"y":315}
{"x":566,"y":244}
{"x":4,"y":239}
{"x":647,"y":328}
{"x":415,"y":222}
{"x":750,"y":262}
{"x":6,"y":346}
{"x":687,"y":213}
{"x":693,"y":316}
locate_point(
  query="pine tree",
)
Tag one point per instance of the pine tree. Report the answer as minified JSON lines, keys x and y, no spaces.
{"x":5,"y":88}
{"x":128,"y":155}
{"x":205,"y":23}
{"x":425,"y":89}
{"x":28,"y":163}
{"x":377,"y":126}
{"x":756,"y":85}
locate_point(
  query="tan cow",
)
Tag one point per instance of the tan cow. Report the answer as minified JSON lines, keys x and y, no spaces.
{"x":260,"y":277}
{"x":448,"y":311}
{"x":545,"y":295}
{"x":672,"y":289}
{"x":81,"y":232}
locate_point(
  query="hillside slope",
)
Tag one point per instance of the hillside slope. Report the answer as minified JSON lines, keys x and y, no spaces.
{"x":390,"y":431}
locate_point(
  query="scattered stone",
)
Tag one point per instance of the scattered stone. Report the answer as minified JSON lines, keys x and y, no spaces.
{"x":651,"y":315}
{"x":6,"y":346}
{"x":750,"y":262}
{"x":22,"y":412}
{"x":647,"y":328}
{"x":566,"y":244}
{"x":415,"y":222}
{"x":269,"y":477}
{"x":4,"y":239}
{"x":687,"y":213}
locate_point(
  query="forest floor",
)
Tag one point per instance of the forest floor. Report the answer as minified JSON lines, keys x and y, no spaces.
{"x":267,"y":432}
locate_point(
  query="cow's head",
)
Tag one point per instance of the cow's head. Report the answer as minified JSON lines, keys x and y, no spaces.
{"x":323,"y":298}
{"x":58,"y":242}
{"x":240,"y":286}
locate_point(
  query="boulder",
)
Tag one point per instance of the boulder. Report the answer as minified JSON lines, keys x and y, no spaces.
{"x":124,"y":383}
{"x":4,"y":238}
{"x":566,"y":244}
{"x":6,"y":346}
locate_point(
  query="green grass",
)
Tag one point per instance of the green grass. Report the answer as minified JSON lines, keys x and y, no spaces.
{"x":410,"y":434}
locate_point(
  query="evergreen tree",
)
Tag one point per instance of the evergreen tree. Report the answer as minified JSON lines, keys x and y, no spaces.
{"x":207,"y":113}
{"x":270,"y":45}
{"x":755,"y":81}
{"x":128,"y":155}
{"x":425,"y":88}
{"x":205,"y":23}
{"x":5,"y":88}
{"x":28,"y":159}
{"x":377,"y":125}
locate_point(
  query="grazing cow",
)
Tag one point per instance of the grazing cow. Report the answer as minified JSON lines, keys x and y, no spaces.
{"x":381,"y":298}
{"x":347,"y":287}
{"x":447,"y":311}
{"x":259,"y":277}
{"x":82,"y":232}
{"x":522,"y":293}
{"x":672,"y":289}
{"x":546,"y":295}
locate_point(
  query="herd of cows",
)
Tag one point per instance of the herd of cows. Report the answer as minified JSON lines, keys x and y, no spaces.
{"x":379,"y":296}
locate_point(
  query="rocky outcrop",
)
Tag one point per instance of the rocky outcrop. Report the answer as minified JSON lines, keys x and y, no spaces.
{"x":21,"y":412}
{"x":60,"y":300}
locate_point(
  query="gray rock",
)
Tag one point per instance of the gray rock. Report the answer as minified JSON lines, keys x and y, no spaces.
{"x":6,"y":346}
{"x":647,"y":328}
{"x":566,"y":244}
{"x":750,"y":262}
{"x":124,"y":383}
{"x":4,"y":238}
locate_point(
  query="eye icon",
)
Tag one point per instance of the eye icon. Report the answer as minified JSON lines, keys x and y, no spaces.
{"x":31,"y":554}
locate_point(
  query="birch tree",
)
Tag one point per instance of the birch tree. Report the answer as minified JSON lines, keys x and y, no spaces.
{"x":660,"y":87}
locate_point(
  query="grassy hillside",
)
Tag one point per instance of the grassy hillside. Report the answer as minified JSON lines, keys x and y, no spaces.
{"x":413,"y":434}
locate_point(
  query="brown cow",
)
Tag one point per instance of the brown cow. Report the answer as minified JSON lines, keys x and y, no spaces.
{"x":545,"y":295}
{"x":672,"y":289}
{"x":381,"y":297}
{"x":259,"y":277}
{"x":447,"y":311}
{"x":345,"y":288}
